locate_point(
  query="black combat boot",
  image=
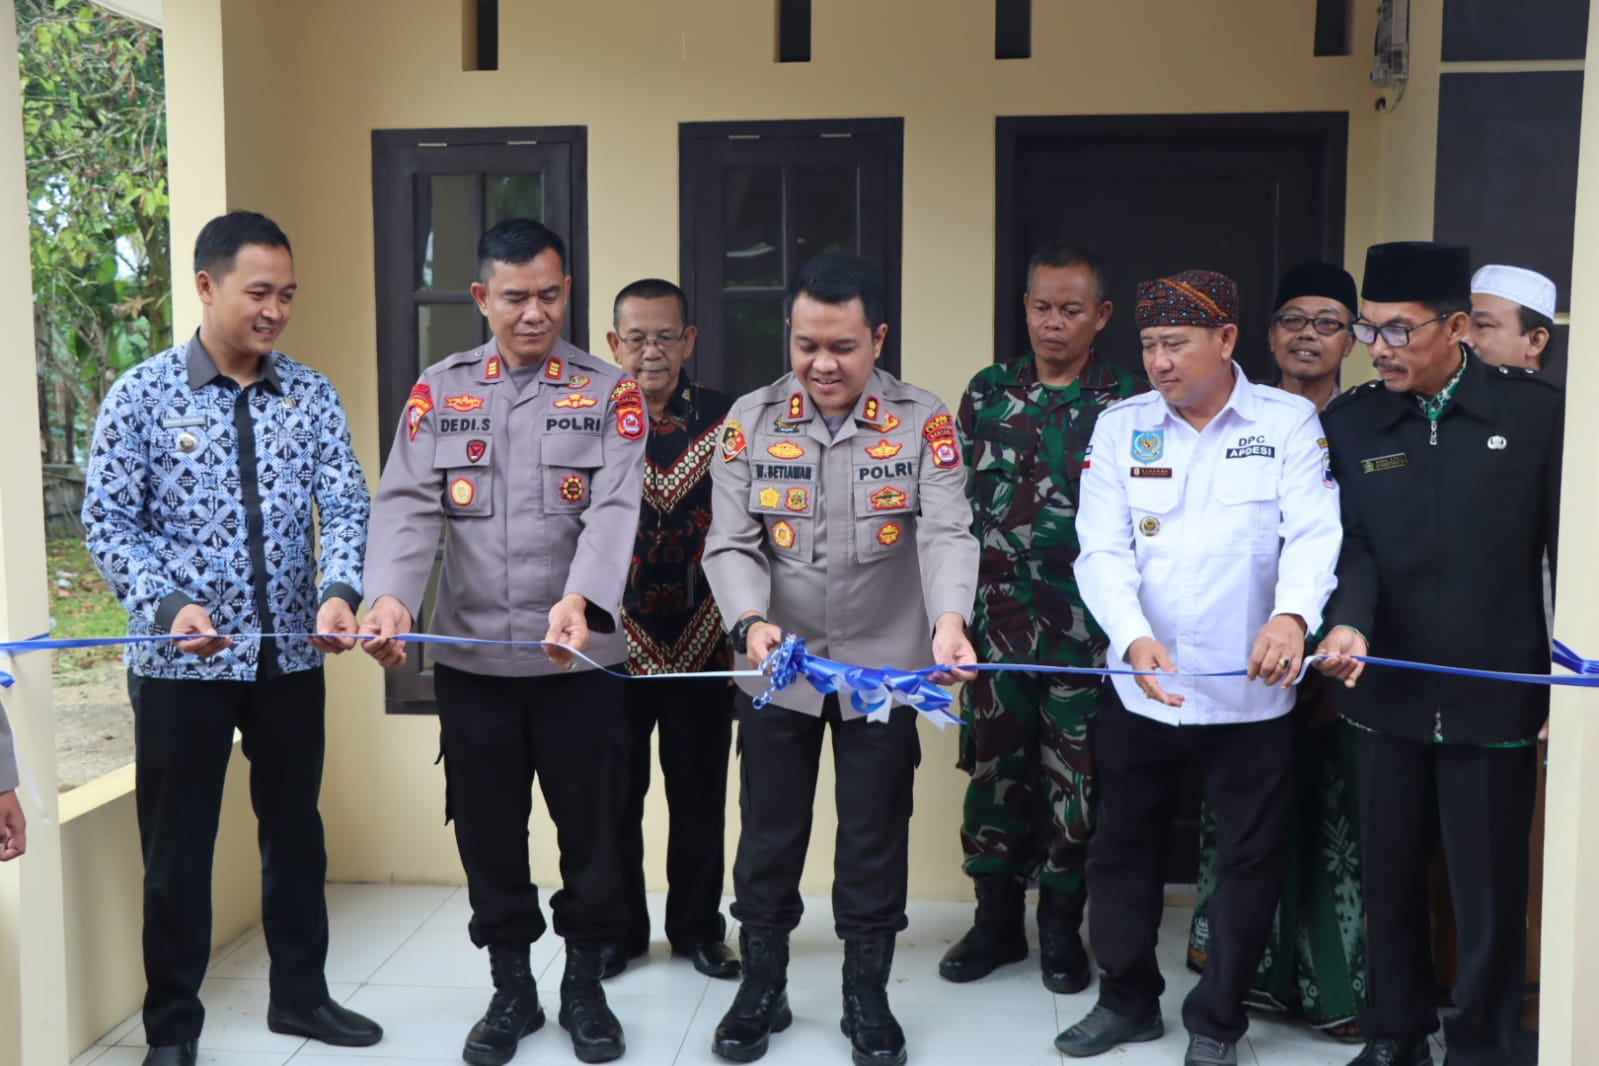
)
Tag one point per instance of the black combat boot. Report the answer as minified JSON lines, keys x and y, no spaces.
{"x":997,"y":935}
{"x":596,"y":1034}
{"x":513,"y":1013}
{"x":761,"y":1006}
{"x":874,"y":1035}
{"x":1061,"y":955}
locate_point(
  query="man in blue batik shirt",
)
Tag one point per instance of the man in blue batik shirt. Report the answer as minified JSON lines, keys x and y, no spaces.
{"x":208,"y":460}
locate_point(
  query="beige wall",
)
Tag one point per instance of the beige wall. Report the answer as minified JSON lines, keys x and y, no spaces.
{"x":101,"y":871}
{"x":299,"y":148}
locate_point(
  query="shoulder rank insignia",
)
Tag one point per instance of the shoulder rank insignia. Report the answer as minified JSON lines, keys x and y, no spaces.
{"x":796,"y":407}
{"x":491,"y":369}
{"x":871,"y":410}
{"x":417,"y":405}
{"x":732,"y":440}
{"x":553,"y":371}
{"x":785,"y":449}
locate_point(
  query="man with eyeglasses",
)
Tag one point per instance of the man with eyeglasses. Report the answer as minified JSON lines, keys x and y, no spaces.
{"x":1450,"y":474}
{"x":672,"y":626}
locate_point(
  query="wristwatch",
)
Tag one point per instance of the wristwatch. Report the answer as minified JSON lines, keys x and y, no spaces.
{"x":740,"y":635}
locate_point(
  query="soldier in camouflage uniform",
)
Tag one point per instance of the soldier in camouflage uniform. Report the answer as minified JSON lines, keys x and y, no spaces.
{"x":1024,"y":431}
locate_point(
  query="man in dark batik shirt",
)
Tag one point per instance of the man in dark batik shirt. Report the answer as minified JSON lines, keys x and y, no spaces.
{"x":673,"y":626}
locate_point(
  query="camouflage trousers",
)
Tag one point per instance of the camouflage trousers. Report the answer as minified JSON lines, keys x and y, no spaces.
{"x":1030,"y":806}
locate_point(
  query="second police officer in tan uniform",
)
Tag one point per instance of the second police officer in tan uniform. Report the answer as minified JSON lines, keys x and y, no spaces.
{"x":839,"y":515}
{"x":530,"y":452}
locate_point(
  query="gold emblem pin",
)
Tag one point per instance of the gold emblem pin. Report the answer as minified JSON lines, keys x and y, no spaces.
{"x":1149,"y":525}
{"x":187,"y":442}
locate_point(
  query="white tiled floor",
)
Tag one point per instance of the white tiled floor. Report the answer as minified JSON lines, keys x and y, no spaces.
{"x":400,"y":954}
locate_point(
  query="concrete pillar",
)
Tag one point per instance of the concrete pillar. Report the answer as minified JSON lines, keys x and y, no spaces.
{"x":33,"y":998}
{"x":1569,"y":983}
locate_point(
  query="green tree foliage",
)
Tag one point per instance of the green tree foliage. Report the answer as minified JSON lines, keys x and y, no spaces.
{"x":95,"y":140}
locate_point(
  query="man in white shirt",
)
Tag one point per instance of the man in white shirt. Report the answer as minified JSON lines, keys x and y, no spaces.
{"x":1209,"y":529}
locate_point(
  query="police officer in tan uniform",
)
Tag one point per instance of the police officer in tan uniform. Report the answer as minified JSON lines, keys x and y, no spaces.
{"x":839,"y":495}
{"x":531,"y":452}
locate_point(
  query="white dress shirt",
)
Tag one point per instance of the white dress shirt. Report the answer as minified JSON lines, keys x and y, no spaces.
{"x":1198,"y":538}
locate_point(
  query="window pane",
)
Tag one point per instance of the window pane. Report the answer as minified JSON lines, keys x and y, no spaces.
{"x":752,"y":337}
{"x":446,"y":244}
{"x":825,"y":211}
{"x":444,"y":329}
{"x":753,"y":215}
{"x":516,"y":196}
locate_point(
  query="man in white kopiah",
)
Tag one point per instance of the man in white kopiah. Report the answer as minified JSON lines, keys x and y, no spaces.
{"x":1512,"y":314}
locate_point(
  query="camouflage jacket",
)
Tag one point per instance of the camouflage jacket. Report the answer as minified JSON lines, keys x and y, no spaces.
{"x":1024,"y":445}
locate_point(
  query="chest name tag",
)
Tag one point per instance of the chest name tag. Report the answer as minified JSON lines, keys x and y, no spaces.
{"x":182,"y":422}
{"x":1378,"y":464}
{"x":1150,"y":471}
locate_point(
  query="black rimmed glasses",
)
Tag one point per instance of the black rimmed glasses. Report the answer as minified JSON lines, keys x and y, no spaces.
{"x":664,"y":342}
{"x":1293,"y":323}
{"x":1393,"y":335}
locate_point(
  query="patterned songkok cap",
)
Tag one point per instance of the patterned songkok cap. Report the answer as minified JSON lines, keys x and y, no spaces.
{"x":1187,"y":298}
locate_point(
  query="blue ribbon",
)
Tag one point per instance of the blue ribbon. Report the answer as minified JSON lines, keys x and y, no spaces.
{"x":871,"y":691}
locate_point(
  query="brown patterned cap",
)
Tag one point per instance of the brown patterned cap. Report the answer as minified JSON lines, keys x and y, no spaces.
{"x":1187,"y":298}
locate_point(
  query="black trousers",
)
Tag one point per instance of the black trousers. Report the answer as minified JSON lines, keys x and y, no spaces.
{"x":496,"y":735}
{"x":695,"y":720}
{"x":1248,"y":779}
{"x":1481,"y":801}
{"x":874,"y":764}
{"x":183,"y":738}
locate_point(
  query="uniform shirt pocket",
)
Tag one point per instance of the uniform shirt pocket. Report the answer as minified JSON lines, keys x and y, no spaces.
{"x":884,"y":519}
{"x":1249,"y":512}
{"x":468,"y":475}
{"x":568,"y":462}
{"x":789,"y":516}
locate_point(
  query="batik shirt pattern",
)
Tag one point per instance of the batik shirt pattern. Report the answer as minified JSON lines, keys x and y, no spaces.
{"x":168,"y":509}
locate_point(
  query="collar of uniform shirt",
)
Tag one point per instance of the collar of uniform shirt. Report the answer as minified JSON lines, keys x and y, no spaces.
{"x":202,"y":369}
{"x":1434,"y":407}
{"x":1095,"y":374}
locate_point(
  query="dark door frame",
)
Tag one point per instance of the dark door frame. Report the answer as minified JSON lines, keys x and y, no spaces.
{"x":1010,"y":132}
{"x":697,"y":140}
{"x":418,"y":150}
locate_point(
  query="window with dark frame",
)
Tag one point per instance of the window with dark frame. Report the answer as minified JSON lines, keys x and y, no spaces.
{"x":434,"y":193}
{"x":760,"y":198}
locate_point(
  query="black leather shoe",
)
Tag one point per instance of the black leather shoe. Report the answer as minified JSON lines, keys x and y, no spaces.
{"x":172,"y":1055}
{"x":712,"y":958}
{"x":615,"y":957}
{"x":328,"y":1023}
{"x":1203,"y":1051}
{"x":875,"y":1036}
{"x":997,"y":935}
{"x":1416,"y":1052}
{"x":1102,"y":1029}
